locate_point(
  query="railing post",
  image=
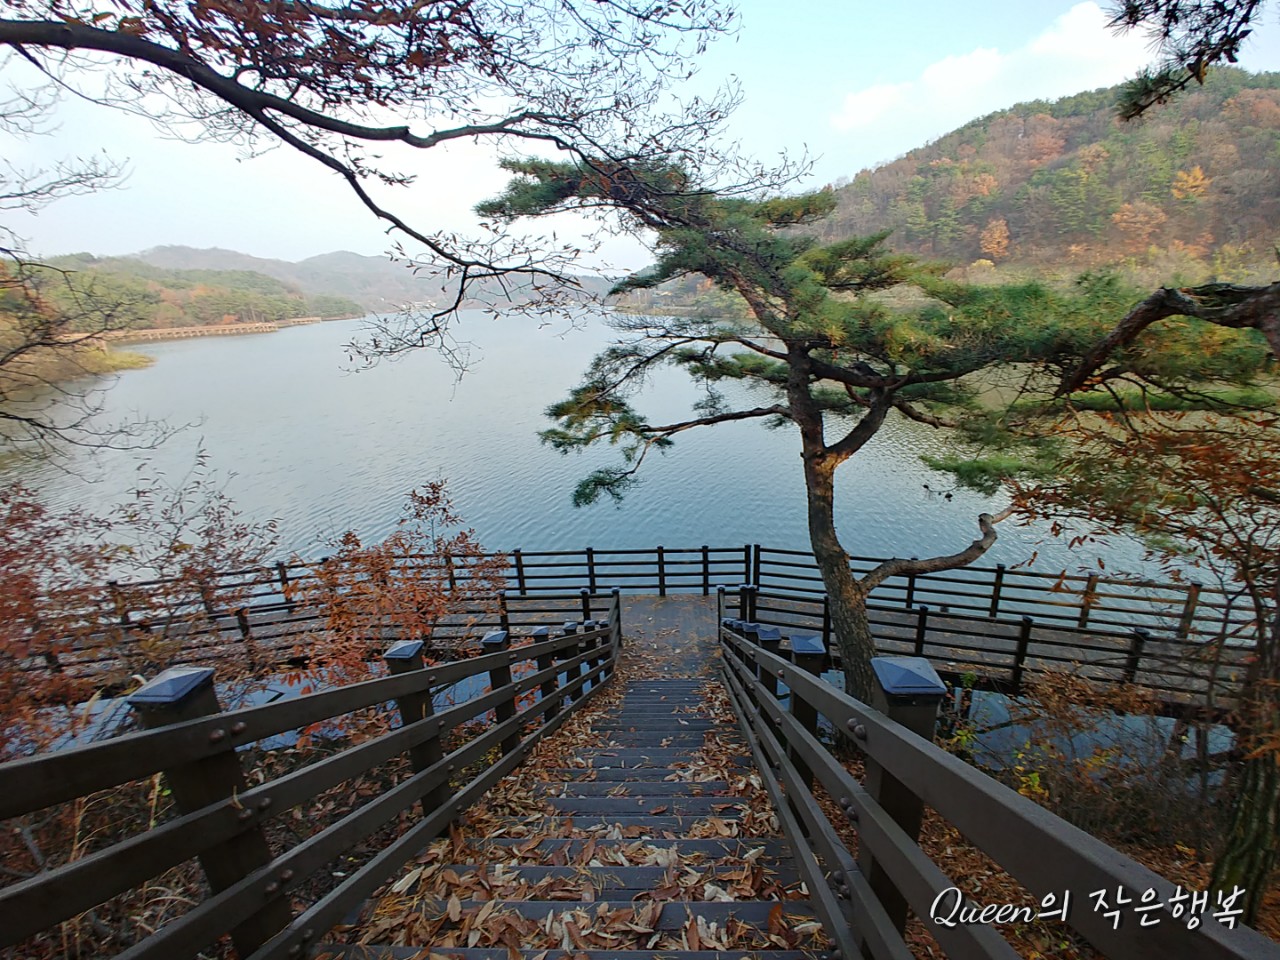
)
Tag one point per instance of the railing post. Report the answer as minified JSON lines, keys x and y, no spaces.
{"x":706,"y":571}
{"x":588,"y":645}
{"x":755,"y":564}
{"x":1086,"y":600}
{"x":206,"y":597}
{"x":496,"y":641}
{"x":586,"y":603}
{"x":1140,"y":638}
{"x":909,"y":692}
{"x":662,"y":572}
{"x":826,"y":621}
{"x":550,"y":686}
{"x":117,"y":601}
{"x":744,"y":601}
{"x":922,"y":629}
{"x":615,"y":615}
{"x":573,"y":673}
{"x":808,"y":653}
{"x":751,"y":633}
{"x":995,"y":591}
{"x":1188,"y":618}
{"x":519,"y":561}
{"x":406,"y":657}
{"x":448,"y":566}
{"x":911,"y":589}
{"x":769,"y":638}
{"x":185,"y":693}
{"x":504,"y":613}
{"x":282,"y":574}
{"x":591,"y":568}
{"x":746,"y":563}
{"x":1020,"y":655}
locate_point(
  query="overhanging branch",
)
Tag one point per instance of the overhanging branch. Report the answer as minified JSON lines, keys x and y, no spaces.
{"x":902,"y":568}
{"x":1224,"y":304}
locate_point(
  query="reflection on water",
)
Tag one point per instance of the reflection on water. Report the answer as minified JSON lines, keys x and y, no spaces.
{"x":322,"y":449}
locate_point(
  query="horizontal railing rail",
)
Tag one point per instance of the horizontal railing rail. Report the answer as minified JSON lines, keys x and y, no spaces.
{"x":783,"y":703}
{"x":219,"y":819}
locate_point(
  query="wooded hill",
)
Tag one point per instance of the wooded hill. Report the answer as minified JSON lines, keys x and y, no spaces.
{"x":1067,"y":183}
{"x":152,"y":296}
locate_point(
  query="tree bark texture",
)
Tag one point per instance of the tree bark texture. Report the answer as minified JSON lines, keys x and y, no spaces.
{"x":1252,"y":844}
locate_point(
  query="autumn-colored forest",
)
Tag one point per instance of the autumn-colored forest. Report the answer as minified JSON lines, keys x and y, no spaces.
{"x":1068,"y":184}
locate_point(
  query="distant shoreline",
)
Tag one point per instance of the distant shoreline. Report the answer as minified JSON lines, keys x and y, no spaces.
{"x":218,"y":330}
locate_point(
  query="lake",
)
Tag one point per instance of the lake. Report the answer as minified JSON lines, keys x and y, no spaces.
{"x":296,"y":435}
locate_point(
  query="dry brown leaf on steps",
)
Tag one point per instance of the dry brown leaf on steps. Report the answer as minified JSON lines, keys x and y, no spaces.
{"x":776,"y":924}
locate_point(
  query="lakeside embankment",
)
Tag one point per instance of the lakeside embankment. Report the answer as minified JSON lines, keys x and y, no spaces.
{"x":215,"y":330}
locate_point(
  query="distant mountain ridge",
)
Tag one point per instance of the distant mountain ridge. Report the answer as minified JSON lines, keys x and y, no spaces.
{"x":146,"y":296}
{"x":378,"y":284}
{"x":375,"y":283}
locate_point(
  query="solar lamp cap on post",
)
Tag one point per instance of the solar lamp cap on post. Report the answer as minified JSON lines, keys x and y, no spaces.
{"x":540,"y":633}
{"x":911,"y":678}
{"x":808,"y":644}
{"x":404,"y":650}
{"x":172,"y":687}
{"x":494,"y":638}
{"x":570,"y":627}
{"x":768,"y":634}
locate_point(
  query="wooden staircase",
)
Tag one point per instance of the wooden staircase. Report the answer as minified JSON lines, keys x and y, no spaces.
{"x":638,"y":831}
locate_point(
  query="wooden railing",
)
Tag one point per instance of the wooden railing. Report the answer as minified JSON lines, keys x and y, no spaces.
{"x":863,"y":900}
{"x":1075,"y":602}
{"x":1184,"y":641}
{"x":1002,"y":653}
{"x":222,"y":814}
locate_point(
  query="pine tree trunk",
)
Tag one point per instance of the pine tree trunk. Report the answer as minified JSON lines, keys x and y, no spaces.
{"x":846,"y":599}
{"x":1253,"y":839}
{"x":1250,"y":852}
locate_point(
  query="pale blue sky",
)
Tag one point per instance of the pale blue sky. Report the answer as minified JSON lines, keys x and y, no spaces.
{"x":855,"y":83}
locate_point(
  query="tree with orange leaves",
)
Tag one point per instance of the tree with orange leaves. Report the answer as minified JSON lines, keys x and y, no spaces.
{"x":1203,"y":490}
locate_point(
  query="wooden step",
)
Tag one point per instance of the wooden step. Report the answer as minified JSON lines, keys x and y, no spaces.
{"x":710,"y":848}
{"x":675,"y":805}
{"x":635,"y":788}
{"x":490,"y":953}
{"x":671,"y":914}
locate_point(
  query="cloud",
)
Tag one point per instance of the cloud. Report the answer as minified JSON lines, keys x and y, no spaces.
{"x":1076,"y":52}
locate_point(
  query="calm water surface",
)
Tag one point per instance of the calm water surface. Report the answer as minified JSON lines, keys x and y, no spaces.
{"x":299,"y":438}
